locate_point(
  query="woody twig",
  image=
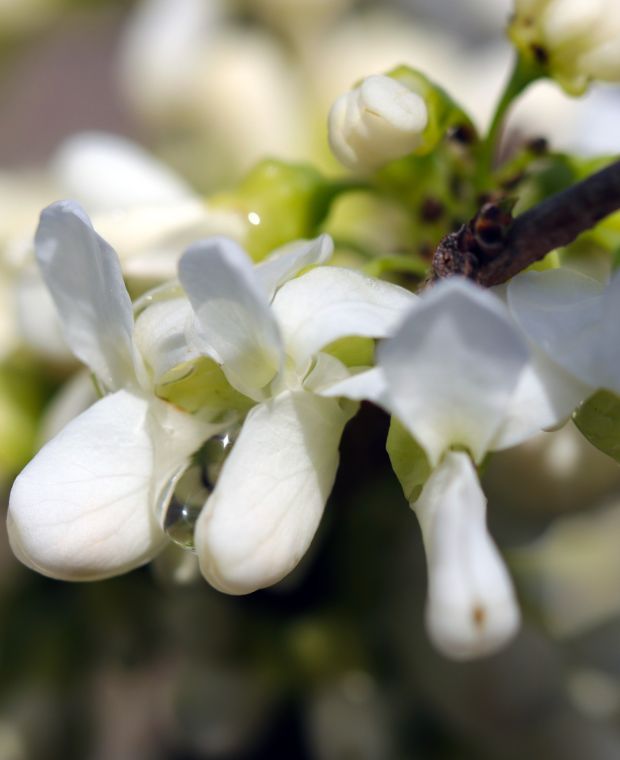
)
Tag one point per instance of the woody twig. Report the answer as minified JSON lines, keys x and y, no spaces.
{"x":493,"y":247}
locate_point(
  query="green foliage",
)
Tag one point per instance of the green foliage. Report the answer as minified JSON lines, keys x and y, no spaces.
{"x":22,"y":396}
{"x":598,"y":419}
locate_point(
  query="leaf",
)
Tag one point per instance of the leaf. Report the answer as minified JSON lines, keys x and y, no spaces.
{"x":598,"y":419}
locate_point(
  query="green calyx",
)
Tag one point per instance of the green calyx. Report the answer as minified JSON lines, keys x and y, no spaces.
{"x":444,"y":114}
{"x":409,"y":461}
{"x":280,"y":202}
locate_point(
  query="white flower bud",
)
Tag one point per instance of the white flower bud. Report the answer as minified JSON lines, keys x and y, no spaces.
{"x":577,"y":40}
{"x":377,"y":122}
{"x":471,"y":609}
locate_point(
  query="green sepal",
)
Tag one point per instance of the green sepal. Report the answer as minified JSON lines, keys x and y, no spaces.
{"x":409,"y":461}
{"x":202,"y":384}
{"x":353,"y":351}
{"x":598,"y":419}
{"x":444,"y":113}
{"x":281,"y":202}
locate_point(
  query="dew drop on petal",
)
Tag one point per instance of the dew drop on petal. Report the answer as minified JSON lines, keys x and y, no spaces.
{"x":185,"y":495}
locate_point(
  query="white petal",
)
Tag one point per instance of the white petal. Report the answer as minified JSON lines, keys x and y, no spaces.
{"x":176,"y":436}
{"x":329,"y":303}
{"x":471,"y":608}
{"x":84,"y":277}
{"x":561,"y":311}
{"x":106,"y":171}
{"x":545,"y":396}
{"x":271,"y":493}
{"x":452,"y":368}
{"x":160,"y":336}
{"x":286,"y":262}
{"x":370,"y":385}
{"x":375,"y":123}
{"x":326,"y":372}
{"x":82,"y":508}
{"x":236,"y":323}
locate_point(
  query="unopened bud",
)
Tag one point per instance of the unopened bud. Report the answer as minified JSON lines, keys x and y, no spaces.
{"x":377,"y":122}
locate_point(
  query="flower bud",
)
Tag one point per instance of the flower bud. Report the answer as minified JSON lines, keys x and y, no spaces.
{"x":575,"y":41}
{"x":471,"y":609}
{"x":377,"y":122}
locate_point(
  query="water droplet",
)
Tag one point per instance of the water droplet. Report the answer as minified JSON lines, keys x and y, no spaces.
{"x":188,"y":490}
{"x":254,"y":218}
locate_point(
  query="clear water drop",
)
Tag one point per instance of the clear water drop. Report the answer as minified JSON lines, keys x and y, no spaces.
{"x":188,"y":490}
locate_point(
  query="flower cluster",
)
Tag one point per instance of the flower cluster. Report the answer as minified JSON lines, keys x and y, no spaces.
{"x":576,"y":40}
{"x":87,"y":505}
{"x":224,"y":392}
{"x":252,"y":349}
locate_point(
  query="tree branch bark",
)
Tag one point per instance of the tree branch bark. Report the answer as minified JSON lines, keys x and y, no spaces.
{"x":493,"y":247}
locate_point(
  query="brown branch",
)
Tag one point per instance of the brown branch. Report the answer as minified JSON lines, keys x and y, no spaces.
{"x":493,"y":247}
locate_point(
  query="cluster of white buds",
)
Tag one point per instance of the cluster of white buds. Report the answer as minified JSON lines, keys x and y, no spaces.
{"x":576,"y":41}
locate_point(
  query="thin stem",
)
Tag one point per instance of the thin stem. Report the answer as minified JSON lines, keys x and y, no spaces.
{"x":523,"y":74}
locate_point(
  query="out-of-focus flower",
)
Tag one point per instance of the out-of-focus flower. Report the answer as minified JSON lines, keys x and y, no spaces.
{"x":377,"y":122}
{"x":458,"y":375}
{"x":268,"y":332}
{"x":147,"y":212}
{"x":561,"y":471}
{"x":577,"y":41}
{"x":570,"y":573}
{"x":573,"y":319}
{"x":182,"y":63}
{"x":300,"y":17}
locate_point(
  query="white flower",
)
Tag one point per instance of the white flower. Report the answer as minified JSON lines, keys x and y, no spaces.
{"x":268,"y":331}
{"x":579,"y":40}
{"x":458,"y":375}
{"x":573,"y":319}
{"x":84,"y":507}
{"x":377,"y":122}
